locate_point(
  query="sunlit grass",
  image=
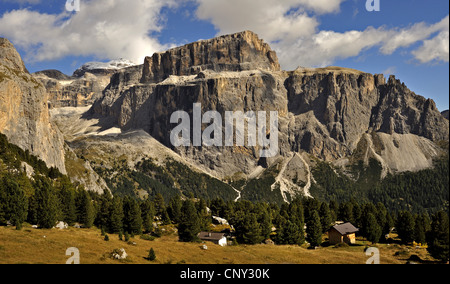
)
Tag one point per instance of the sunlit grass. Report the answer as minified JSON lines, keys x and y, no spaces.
{"x":49,"y":247}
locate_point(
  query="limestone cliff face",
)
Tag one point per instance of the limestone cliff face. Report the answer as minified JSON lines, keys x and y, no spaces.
{"x":236,"y":52}
{"x":65,"y":91}
{"x":333,"y":107}
{"x":326,"y":112}
{"x":24,"y":115}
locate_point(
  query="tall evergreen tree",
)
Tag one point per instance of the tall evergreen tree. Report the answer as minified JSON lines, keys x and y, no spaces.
{"x":205,"y":218}
{"x":189,"y":226}
{"x":104,"y":214}
{"x":116,"y":217}
{"x":314,"y":230}
{"x":388,"y":225}
{"x":405,"y":227}
{"x":325,"y":217}
{"x":422,"y":226}
{"x":174,"y":209}
{"x":346,"y":213}
{"x":372,"y":229}
{"x":438,"y":237}
{"x":357,"y":213}
{"x":250,"y":230}
{"x":13,"y":202}
{"x":47,"y":211}
{"x":148,"y":214}
{"x":85,"y":208}
{"x":67,"y":198}
{"x":265,"y":222}
{"x":160,"y":205}
{"x":334,"y":209}
{"x":132,"y":222}
{"x":291,"y":234}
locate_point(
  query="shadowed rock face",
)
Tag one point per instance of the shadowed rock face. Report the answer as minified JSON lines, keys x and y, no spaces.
{"x":24,"y":115}
{"x":325,"y":112}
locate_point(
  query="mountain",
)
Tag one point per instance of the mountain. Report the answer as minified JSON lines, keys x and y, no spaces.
{"x":24,"y":114}
{"x":445,"y":114}
{"x":103,"y":68}
{"x":334,"y":114}
{"x":84,"y":87}
{"x":65,"y":91}
{"x":335,"y":124}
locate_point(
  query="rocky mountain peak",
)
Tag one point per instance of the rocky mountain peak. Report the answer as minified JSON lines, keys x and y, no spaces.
{"x":9,"y":56}
{"x":103,"y":68}
{"x":24,"y":114}
{"x":236,"y":52}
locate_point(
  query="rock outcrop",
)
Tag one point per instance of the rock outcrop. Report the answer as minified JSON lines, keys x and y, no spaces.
{"x":445,"y":114}
{"x":237,"y":52}
{"x":65,"y":91}
{"x":334,"y":114}
{"x":333,"y":107}
{"x":101,"y":68}
{"x":24,"y":114}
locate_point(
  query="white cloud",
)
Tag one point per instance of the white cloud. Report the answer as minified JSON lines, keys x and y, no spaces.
{"x":107,"y":29}
{"x":273,"y":20}
{"x":292,"y":29}
{"x":435,"y":49}
{"x":409,"y":36}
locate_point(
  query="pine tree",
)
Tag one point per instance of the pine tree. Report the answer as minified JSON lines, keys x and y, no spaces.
{"x":103,"y":216}
{"x":314,"y":230}
{"x":422,"y":227}
{"x":132,"y":216}
{"x":405,"y":227}
{"x":85,"y":208}
{"x":160,"y":205}
{"x":13,"y":203}
{"x":438,"y":237}
{"x":148,"y":214}
{"x":67,"y":197}
{"x":334,"y":209}
{"x":174,"y":209}
{"x":291,"y":234}
{"x":116,"y":217}
{"x":325,"y":217}
{"x":47,"y":210}
{"x":205,"y":218}
{"x":251,"y":230}
{"x":346,"y":213}
{"x":388,"y":225}
{"x":356,"y":214}
{"x":266,"y":224}
{"x":152,"y":255}
{"x":372,"y":229}
{"x":382,"y":219}
{"x":189,"y":226}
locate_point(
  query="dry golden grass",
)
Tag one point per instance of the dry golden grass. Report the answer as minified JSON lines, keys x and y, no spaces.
{"x":49,"y":247}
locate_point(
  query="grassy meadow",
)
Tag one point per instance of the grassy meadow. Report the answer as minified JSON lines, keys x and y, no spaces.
{"x":38,"y":246}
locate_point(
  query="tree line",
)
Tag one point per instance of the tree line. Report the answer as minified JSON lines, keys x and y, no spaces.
{"x":49,"y":197}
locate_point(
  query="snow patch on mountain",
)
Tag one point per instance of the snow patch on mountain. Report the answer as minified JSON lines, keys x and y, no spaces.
{"x":111,"y":65}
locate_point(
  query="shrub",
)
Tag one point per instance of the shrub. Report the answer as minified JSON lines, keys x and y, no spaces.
{"x":151,"y":255}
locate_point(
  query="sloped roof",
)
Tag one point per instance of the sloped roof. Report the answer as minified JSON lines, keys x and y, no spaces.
{"x":346,"y":229}
{"x":211,"y":236}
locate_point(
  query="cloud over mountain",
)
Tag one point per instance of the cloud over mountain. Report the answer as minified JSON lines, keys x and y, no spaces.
{"x":104,"y":28}
{"x":292,"y":29}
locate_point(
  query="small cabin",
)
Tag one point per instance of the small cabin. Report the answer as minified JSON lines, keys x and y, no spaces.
{"x":344,"y":233}
{"x":217,"y":238}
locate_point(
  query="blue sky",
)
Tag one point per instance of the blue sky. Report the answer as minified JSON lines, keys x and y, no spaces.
{"x":408,"y":38}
